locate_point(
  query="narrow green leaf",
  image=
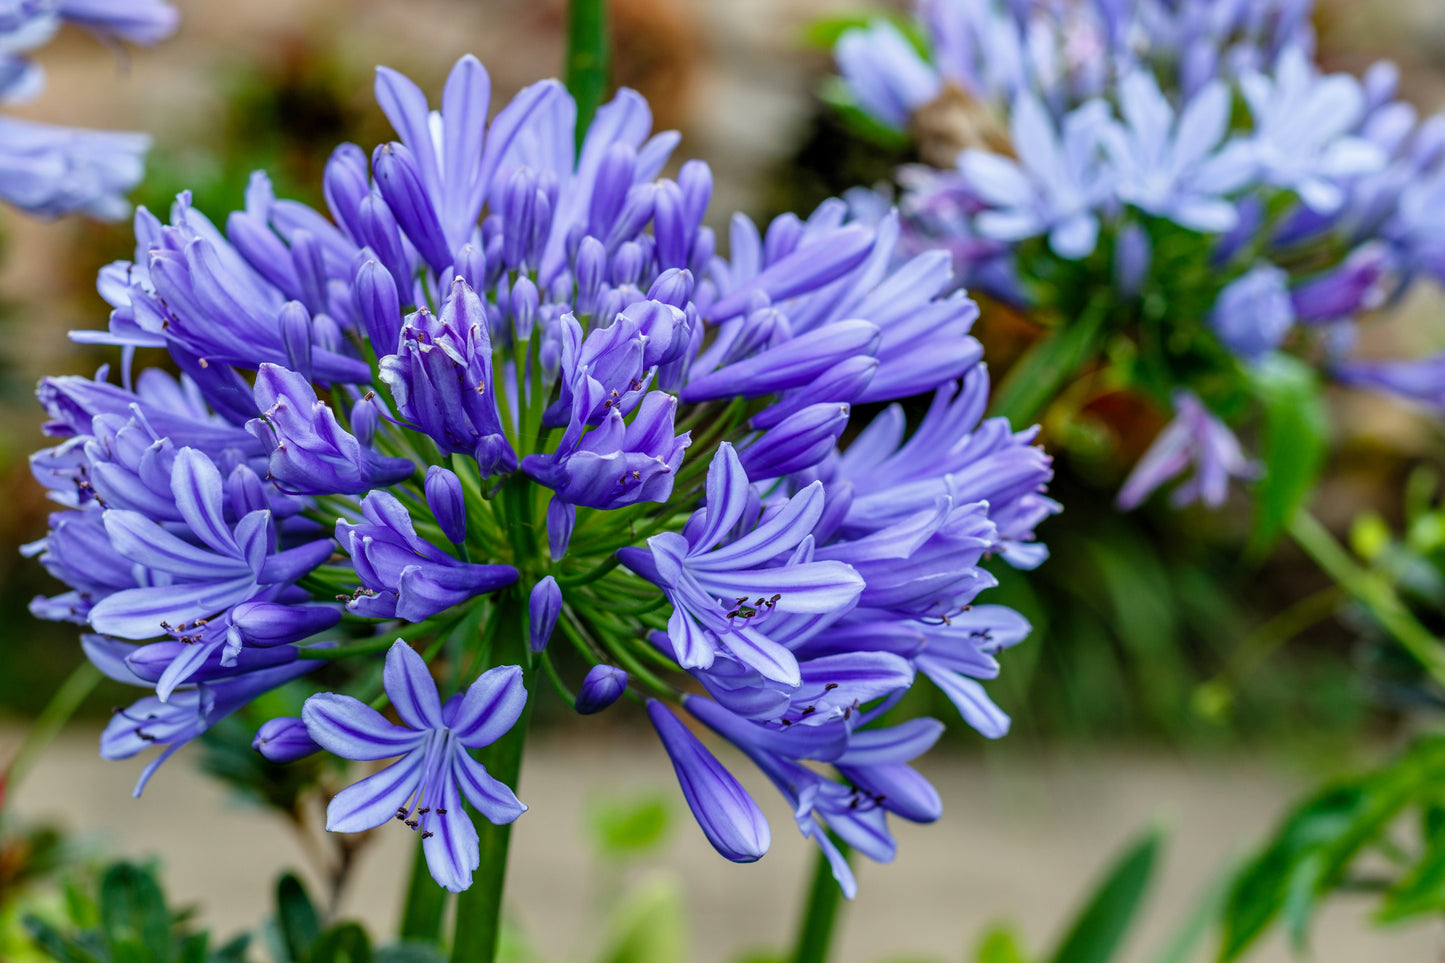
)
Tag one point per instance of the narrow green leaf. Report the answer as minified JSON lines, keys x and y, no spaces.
{"x":410,"y":951}
{"x":193,"y":949}
{"x":296,"y":918}
{"x":49,"y":941}
{"x":1185,"y":941}
{"x":1047,"y":366}
{"x":234,"y":951}
{"x":1257,"y":895}
{"x":133,"y":915}
{"x":1099,"y":930}
{"x":1295,"y":440}
{"x":343,"y":943}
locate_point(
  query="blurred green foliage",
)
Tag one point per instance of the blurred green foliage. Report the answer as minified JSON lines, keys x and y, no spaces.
{"x":1348,"y":836}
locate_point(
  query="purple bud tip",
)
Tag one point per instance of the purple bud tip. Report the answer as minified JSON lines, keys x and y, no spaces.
{"x":561,"y":517}
{"x":602,"y":687}
{"x":543,"y":608}
{"x":444,"y":498}
{"x":728,"y":816}
{"x":276,"y":623}
{"x":284,"y":740}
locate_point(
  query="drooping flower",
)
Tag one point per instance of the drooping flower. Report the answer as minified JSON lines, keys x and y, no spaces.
{"x":1195,"y":440}
{"x":425,"y":787}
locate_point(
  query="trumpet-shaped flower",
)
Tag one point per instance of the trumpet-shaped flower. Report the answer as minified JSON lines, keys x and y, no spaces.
{"x":423,"y":789}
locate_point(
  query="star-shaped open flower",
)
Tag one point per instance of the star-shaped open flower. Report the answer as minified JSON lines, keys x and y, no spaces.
{"x":424,"y":788}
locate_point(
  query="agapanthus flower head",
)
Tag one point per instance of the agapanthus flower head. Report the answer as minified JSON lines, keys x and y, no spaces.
{"x":506,"y":397}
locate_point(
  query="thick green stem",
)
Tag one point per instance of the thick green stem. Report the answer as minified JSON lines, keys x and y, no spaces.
{"x":1372,"y":591}
{"x":825,"y":899}
{"x":479,"y":909}
{"x":421,"y":914}
{"x":1042,"y":372}
{"x":587,"y":58}
{"x":52,"y":718}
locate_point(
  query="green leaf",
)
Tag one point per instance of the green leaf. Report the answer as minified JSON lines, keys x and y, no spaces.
{"x":234,"y":951}
{"x":49,"y":941}
{"x":1040,"y":375}
{"x":1001,"y":944}
{"x":193,"y":949}
{"x":650,"y":925}
{"x":343,"y":943}
{"x":1311,"y":851}
{"x":1293,"y":446}
{"x":629,"y":827}
{"x":1100,"y":929}
{"x":834,"y":92}
{"x":296,"y":918}
{"x":1422,"y":890}
{"x":1259,"y":892}
{"x":1203,"y":913}
{"x":410,"y":951}
{"x":133,"y":916}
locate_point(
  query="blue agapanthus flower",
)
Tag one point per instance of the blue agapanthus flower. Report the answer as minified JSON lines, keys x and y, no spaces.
{"x":1180,"y":178}
{"x":507,"y":395}
{"x":50,"y":171}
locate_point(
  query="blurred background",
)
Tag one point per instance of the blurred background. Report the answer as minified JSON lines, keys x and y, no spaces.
{"x":1162,"y":683}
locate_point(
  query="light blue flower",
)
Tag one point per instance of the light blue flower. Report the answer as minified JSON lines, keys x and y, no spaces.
{"x":425,"y":787}
{"x":1303,"y":136}
{"x":886,"y":74}
{"x":1172,"y":166}
{"x":1055,"y":187}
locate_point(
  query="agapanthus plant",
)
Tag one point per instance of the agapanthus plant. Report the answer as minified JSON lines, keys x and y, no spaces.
{"x":50,"y":171}
{"x":509,"y":396}
{"x":1194,"y":209}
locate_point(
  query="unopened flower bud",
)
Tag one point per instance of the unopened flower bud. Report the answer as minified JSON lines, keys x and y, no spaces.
{"x":284,"y":740}
{"x":448,"y":505}
{"x":542,"y":609}
{"x":603,"y":686}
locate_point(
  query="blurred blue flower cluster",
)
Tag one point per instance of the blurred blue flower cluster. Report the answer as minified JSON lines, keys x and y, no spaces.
{"x":1185,"y":169}
{"x":49,"y":171}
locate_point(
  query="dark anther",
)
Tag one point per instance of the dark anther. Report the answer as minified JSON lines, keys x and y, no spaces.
{"x":412,"y":823}
{"x":809,"y":710}
{"x":787,"y":722}
{"x":427,"y":834}
{"x":441,"y":812}
{"x":830,"y":687}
